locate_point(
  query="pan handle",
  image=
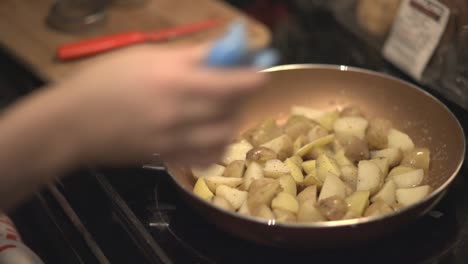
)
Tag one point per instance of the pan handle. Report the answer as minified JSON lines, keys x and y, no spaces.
{"x":156,"y":164}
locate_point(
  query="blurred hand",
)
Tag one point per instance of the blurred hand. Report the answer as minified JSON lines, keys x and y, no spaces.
{"x":144,"y":100}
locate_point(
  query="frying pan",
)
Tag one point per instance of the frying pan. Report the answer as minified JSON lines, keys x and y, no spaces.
{"x":428,"y":122}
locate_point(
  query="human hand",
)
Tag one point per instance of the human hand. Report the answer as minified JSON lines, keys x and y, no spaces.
{"x":131,"y":104}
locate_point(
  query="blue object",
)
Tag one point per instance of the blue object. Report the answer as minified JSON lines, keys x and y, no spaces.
{"x":231,"y":50}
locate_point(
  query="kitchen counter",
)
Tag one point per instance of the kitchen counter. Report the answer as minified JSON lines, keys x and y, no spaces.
{"x":24,"y":32}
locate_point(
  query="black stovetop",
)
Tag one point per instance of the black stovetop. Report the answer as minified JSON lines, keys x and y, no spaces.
{"x":133,"y":215}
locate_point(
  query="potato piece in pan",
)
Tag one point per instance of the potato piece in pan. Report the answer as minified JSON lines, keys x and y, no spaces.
{"x":284,"y":216}
{"x":309,"y":213}
{"x":309,"y":195}
{"x":418,"y":158}
{"x":264,"y":132}
{"x":333,"y":207}
{"x":356,"y":149}
{"x":260,"y":155}
{"x":282,"y":145}
{"x":377,"y":133}
{"x":262,"y":191}
{"x":235,"y":169}
{"x":222,"y":203}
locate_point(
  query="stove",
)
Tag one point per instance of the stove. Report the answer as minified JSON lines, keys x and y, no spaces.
{"x":135,"y":215}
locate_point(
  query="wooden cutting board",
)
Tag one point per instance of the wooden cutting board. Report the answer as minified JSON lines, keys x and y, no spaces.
{"x":24,"y":32}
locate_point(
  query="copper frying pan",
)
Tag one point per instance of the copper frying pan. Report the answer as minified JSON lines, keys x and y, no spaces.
{"x":423,"y":117}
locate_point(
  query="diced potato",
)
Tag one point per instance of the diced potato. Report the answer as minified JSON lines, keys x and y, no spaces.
{"x":284,"y":216}
{"x":260,"y":155}
{"x":309,"y":167}
{"x":349,"y":175}
{"x":244,"y":209}
{"x":309,"y":195}
{"x":337,"y":146}
{"x":235,"y":169}
{"x":282,"y":145}
{"x":346,"y":127}
{"x":296,"y":160}
{"x":236,"y":151}
{"x":201,"y":190}
{"x":356,"y":149}
{"x":253,"y":172}
{"x":350,"y":111}
{"x":332,"y":186}
{"x":409,"y":179}
{"x":222,"y":203}
{"x":312,"y":179}
{"x":393,"y":155}
{"x":285,"y":201}
{"x":326,"y":165}
{"x":306,"y":112}
{"x":235,"y":197}
{"x":328,"y":119}
{"x":333,"y":208}
{"x":386,"y":194}
{"x":382,"y":163}
{"x":262,"y":191}
{"x":275,"y":169}
{"x":378,"y":208}
{"x":316,"y":132}
{"x":299,"y":142}
{"x":212,"y":170}
{"x":400,"y":140}
{"x":350,"y":215}
{"x":294,"y":170}
{"x":323,"y":141}
{"x":358,"y":202}
{"x":369,"y":177}
{"x":309,"y":213}
{"x":399,"y":170}
{"x":348,"y":189}
{"x":297,"y":128}
{"x":418,"y":158}
{"x":341,"y":159}
{"x":265,"y":212}
{"x":317,"y":151}
{"x":265,"y":132}
{"x":377,"y":133}
{"x":288,"y":184}
{"x":410,"y":196}
{"x":215,"y":181}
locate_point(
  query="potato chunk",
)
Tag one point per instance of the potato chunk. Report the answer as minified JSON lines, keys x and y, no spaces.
{"x":410,"y":196}
{"x":236,"y":151}
{"x":275,"y":169}
{"x":260,"y":155}
{"x":356,"y":149}
{"x":418,"y":158}
{"x":282,"y":145}
{"x":285,"y":201}
{"x":377,"y":133}
{"x":333,"y":208}
{"x":346,"y":127}
{"x":235,"y":169}
{"x":309,"y":195}
{"x":201,"y":190}
{"x":262,"y":191}
{"x":309,"y":213}
{"x":369,"y":177}
{"x":332,"y":186}
{"x":235,"y":197}
{"x":263,"y":133}
{"x":400,"y":140}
